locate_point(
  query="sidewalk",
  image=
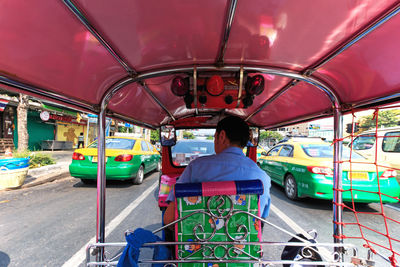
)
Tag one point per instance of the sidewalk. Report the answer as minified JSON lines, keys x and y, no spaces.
{"x":50,"y":173}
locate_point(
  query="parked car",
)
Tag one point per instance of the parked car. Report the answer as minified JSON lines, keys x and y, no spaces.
{"x":305,"y":169}
{"x":126,"y":158}
{"x":188,"y":149}
{"x":387,"y":145}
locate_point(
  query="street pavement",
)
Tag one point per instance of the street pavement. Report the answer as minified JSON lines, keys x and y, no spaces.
{"x":49,"y":173}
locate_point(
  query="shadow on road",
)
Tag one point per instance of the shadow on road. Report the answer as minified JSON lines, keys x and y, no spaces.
{"x":109,"y":184}
{"x":4,"y":259}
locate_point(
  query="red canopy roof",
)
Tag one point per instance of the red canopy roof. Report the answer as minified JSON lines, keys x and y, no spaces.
{"x":74,"y":52}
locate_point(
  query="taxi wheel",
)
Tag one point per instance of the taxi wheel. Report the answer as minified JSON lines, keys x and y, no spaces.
{"x":290,"y":187}
{"x":139,"y":175}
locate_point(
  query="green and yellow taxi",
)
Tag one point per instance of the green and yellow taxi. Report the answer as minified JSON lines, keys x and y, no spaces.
{"x":126,"y":158}
{"x":305,"y":169}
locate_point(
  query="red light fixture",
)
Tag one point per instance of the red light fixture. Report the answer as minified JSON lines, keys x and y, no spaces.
{"x":123,"y":157}
{"x":320,"y":170}
{"x":78,"y":156}
{"x":255,"y":85}
{"x":180,"y":86}
{"x":388,"y":174}
{"x":215,"y":85}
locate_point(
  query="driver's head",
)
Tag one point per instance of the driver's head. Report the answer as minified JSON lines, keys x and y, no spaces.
{"x":231,"y":131}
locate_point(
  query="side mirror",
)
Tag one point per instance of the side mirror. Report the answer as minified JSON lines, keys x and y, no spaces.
{"x":254,"y":136}
{"x":168,"y":135}
{"x":264,"y":153}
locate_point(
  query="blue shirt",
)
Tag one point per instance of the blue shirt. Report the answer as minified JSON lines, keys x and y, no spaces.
{"x":229,"y":165}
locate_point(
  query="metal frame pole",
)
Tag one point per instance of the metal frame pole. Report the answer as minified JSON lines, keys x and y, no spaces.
{"x":337,"y":181}
{"x":101,"y":183}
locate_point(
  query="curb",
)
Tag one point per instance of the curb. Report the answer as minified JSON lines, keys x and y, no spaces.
{"x":47,"y":179}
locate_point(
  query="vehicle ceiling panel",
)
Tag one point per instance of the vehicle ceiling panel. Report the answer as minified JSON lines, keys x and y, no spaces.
{"x":153,"y":34}
{"x":368,"y":69}
{"x":43,"y":44}
{"x":47,"y":46}
{"x":294,"y":34}
{"x":132,"y":101}
{"x":313,"y":102}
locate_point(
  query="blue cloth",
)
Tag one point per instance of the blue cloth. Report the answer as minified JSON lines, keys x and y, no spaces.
{"x":229,"y":165}
{"x":130,"y":256}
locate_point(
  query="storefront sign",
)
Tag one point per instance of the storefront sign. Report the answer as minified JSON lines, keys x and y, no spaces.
{"x":44,"y":115}
{"x":61,"y":118}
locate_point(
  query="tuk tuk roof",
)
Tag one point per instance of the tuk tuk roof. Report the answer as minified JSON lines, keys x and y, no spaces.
{"x":314,"y":55}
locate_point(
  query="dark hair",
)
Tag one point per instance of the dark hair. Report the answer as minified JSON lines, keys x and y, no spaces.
{"x":236,"y":130}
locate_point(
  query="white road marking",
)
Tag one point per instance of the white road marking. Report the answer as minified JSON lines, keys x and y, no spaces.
{"x":297,"y":229}
{"x":80,"y":256}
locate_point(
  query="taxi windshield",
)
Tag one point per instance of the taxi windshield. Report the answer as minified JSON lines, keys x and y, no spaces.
{"x":192,"y":144}
{"x":326,"y":151}
{"x":116,"y":143}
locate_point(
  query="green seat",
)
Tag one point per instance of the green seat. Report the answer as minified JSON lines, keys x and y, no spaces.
{"x":218,"y":212}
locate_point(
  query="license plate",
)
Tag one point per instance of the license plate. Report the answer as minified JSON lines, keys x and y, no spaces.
{"x":94,"y":159}
{"x":358,"y":175}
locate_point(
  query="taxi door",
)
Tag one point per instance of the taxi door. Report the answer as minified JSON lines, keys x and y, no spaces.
{"x":146,"y":156}
{"x":154,"y":158}
{"x":271,"y":163}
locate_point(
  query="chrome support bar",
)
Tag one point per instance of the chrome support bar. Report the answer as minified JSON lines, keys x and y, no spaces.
{"x":147,"y":89}
{"x":101,"y":166}
{"x":228,"y":25}
{"x":101,"y":181}
{"x":337,"y":181}
{"x":78,"y":13}
{"x":46,"y":93}
{"x":240,"y":87}
{"x":378,"y":101}
{"x":279,"y":72}
{"x":195,"y":89}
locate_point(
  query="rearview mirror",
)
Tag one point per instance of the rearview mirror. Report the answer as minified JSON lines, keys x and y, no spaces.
{"x":254,"y":136}
{"x":168,"y":135}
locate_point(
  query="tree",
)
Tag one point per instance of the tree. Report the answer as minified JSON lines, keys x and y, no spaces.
{"x":155,"y":136}
{"x":269,"y":137}
{"x":22,"y":122}
{"x":188,"y":135}
{"x":386,"y":118}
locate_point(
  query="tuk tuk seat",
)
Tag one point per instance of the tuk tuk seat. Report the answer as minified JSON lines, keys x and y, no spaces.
{"x":220,"y":218}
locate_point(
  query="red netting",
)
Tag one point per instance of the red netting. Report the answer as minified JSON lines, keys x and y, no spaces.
{"x":375,"y":226}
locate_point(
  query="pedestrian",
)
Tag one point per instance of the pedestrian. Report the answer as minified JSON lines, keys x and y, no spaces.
{"x":229,"y":163}
{"x":81,"y":141}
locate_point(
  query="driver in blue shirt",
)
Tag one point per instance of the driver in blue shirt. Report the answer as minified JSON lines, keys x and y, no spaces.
{"x":228,"y":164}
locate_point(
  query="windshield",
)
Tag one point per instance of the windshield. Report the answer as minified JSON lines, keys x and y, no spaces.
{"x":326,"y":151}
{"x":364,"y":142}
{"x":192,"y":146}
{"x":116,"y":143}
{"x":186,"y":150}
